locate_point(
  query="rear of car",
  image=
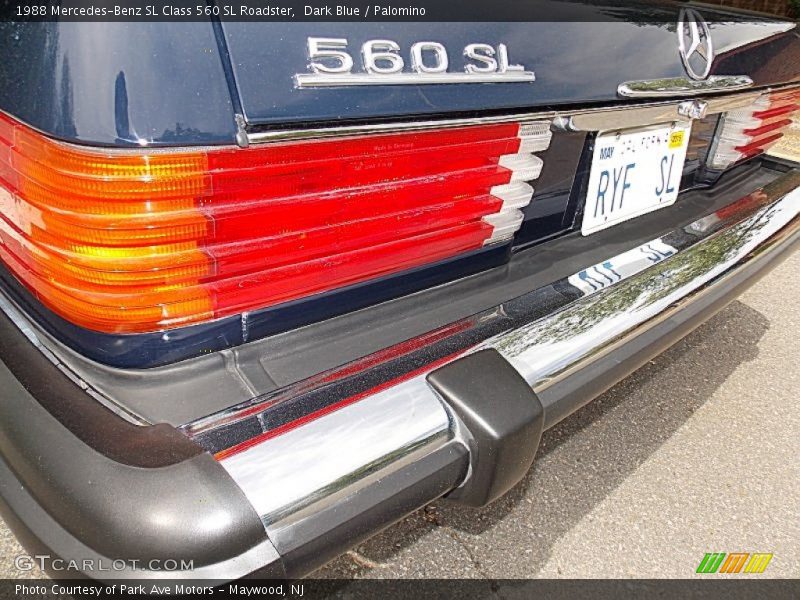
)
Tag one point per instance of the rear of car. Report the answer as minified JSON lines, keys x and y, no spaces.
{"x":266,"y":288}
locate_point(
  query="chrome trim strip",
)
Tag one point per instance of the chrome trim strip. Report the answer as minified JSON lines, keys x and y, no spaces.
{"x":683,"y":86}
{"x":640,"y":114}
{"x":312,"y":133}
{"x":296,"y":473}
{"x":316,"y":80}
{"x":651,"y":114}
{"x":324,"y":461}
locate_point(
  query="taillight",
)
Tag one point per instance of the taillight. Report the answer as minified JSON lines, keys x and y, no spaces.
{"x":750,"y":131}
{"x":143,"y":240}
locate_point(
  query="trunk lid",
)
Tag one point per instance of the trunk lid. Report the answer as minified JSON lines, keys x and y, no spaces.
{"x":575,"y":63}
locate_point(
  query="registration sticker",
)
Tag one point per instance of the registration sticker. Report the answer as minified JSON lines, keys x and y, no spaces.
{"x":676,"y":139}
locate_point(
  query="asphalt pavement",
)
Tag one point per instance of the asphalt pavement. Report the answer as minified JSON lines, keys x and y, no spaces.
{"x":696,"y":452}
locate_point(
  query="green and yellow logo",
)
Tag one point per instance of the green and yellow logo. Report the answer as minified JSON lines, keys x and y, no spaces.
{"x":735,"y":562}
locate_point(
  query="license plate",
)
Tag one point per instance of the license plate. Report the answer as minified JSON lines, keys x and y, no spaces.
{"x":634,"y":171}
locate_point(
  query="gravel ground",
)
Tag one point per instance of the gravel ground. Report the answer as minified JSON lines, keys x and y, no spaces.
{"x":696,"y":452}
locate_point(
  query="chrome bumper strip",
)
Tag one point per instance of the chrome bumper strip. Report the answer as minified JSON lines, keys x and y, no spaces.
{"x":291,"y":471}
{"x":548,"y":351}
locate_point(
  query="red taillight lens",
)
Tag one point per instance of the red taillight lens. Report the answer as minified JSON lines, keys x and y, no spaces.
{"x":139,"y":241}
{"x":747,"y":132}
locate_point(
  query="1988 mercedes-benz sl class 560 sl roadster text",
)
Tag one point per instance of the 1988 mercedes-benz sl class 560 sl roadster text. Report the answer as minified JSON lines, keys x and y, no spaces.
{"x":266,"y":288}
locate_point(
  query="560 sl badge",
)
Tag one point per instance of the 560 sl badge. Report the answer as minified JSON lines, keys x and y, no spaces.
{"x":383,"y":63}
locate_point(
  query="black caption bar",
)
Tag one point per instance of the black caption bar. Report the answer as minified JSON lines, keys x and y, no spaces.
{"x":309,"y":589}
{"x":345,"y":10}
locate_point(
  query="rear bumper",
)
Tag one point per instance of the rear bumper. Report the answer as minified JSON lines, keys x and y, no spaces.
{"x":307,"y":472}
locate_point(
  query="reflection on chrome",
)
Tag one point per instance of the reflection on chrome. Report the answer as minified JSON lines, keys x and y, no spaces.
{"x":546,"y":351}
{"x":683,"y":86}
{"x":287,"y":476}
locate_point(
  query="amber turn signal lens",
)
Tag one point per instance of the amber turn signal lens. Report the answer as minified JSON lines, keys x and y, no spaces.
{"x":139,"y":240}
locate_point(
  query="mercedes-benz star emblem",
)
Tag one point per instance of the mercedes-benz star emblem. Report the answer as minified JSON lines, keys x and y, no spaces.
{"x":694,"y":42}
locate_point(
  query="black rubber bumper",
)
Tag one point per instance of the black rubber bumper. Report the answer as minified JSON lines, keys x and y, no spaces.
{"x":79,"y":482}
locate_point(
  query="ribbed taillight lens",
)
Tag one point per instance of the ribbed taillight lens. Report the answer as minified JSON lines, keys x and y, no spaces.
{"x":143,"y":240}
{"x":750,"y":131}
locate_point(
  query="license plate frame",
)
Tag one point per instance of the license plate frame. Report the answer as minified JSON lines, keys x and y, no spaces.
{"x":640,"y":168}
